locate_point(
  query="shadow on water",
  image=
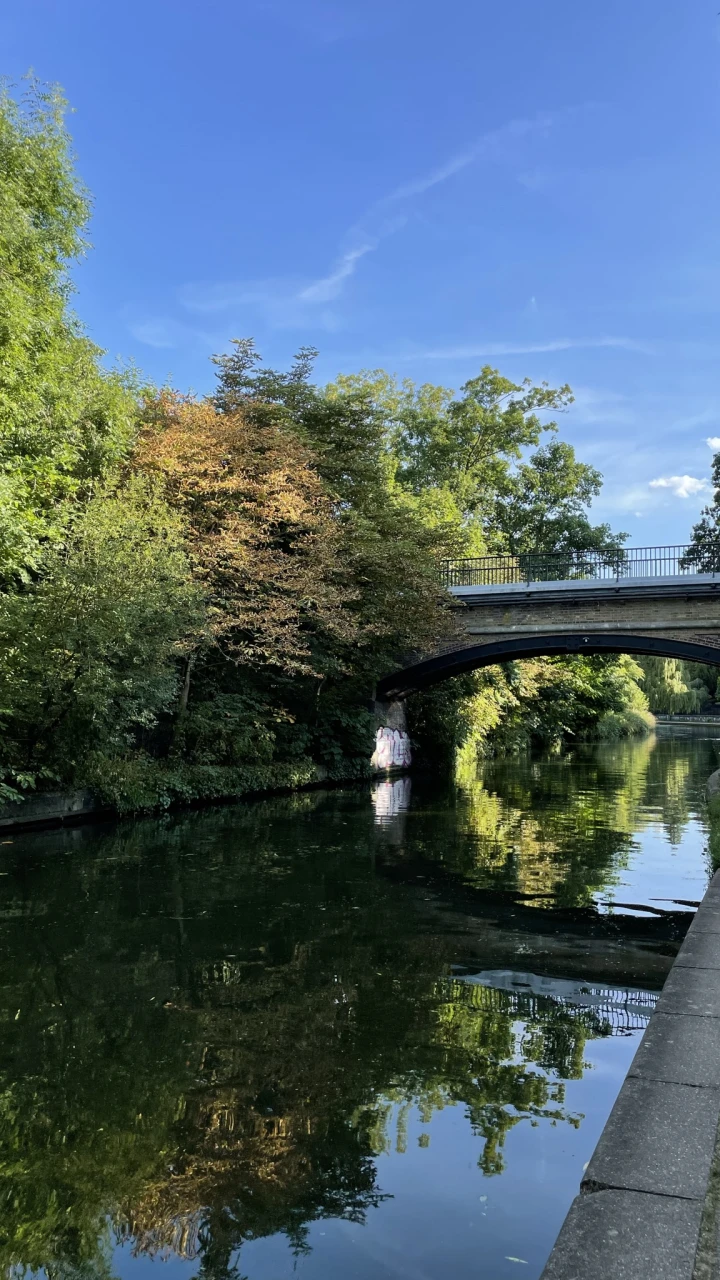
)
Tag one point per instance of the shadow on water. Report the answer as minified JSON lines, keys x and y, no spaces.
{"x":335,"y":1031}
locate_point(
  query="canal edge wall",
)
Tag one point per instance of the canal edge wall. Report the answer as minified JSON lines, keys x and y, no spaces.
{"x":59,"y":809}
{"x":649,"y":1201}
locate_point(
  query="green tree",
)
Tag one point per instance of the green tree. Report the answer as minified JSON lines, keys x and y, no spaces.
{"x":542,"y":505}
{"x":64,"y":421}
{"x":391,"y":552}
{"x":542,"y":702}
{"x":455,"y":454}
{"x":704,"y":552}
{"x":668,"y":686}
{"x":89,"y":650}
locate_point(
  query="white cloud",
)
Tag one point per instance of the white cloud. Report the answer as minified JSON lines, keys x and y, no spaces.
{"x":529,"y":348}
{"x":713,"y":442}
{"x":154,"y":333}
{"x":330,"y":286}
{"x":601,"y":405}
{"x":285,"y":303}
{"x":680,"y":486}
{"x":634,"y":499}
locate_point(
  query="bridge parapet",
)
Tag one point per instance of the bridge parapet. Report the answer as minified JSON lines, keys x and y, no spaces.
{"x":583,"y":589}
{"x":612,"y":564}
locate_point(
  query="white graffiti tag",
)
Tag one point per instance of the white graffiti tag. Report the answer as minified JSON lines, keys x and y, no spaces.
{"x":392,"y":750}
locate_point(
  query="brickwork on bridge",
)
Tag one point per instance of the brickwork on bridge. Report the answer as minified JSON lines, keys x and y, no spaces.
{"x":676,"y":615}
{"x":691,"y":616}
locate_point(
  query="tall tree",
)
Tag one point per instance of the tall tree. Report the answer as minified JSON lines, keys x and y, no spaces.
{"x":452,"y":455}
{"x":260,"y":528}
{"x":89,"y":650}
{"x":704,"y":551}
{"x":542,"y":505}
{"x":63,"y":420}
{"x":391,"y":553}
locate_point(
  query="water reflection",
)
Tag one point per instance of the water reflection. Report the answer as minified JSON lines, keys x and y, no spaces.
{"x":391,"y":797}
{"x":297,"y":1035}
{"x":570,"y":829}
{"x":618,"y":1010}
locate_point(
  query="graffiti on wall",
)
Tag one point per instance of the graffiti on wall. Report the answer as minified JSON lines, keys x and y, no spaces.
{"x":392,"y":750}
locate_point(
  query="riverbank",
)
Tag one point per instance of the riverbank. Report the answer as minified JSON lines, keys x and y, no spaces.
{"x":186,"y":789}
{"x":649,"y":1202}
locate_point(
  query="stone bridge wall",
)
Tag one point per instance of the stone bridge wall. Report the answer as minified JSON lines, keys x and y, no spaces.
{"x":691,"y":615}
{"x":545,"y":617}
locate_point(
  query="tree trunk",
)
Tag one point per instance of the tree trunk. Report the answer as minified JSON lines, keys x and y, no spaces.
{"x":176,"y":745}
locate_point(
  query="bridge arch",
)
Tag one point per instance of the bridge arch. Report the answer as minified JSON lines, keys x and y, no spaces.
{"x":430,"y":671}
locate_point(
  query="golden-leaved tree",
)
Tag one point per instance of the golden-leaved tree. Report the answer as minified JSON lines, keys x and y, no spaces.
{"x":260,"y":530}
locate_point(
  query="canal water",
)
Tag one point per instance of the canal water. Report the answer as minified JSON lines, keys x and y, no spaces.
{"x":369,"y":1033}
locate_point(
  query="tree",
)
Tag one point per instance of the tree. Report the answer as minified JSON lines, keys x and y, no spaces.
{"x":64,"y":421}
{"x":89,"y":651}
{"x":541,"y":506}
{"x":452,"y":456}
{"x":674,"y":686}
{"x":259,"y":526}
{"x":390,"y":551}
{"x":703,"y":555}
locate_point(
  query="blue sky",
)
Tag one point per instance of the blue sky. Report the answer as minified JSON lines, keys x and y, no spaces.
{"x":417,"y":186}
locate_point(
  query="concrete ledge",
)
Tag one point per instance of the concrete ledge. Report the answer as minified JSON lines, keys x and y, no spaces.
{"x":648,"y":1205}
{"x":625,"y":1235}
{"x":691,"y":991}
{"x":679,"y":1049}
{"x":660,"y":1138}
{"x":50,"y":807}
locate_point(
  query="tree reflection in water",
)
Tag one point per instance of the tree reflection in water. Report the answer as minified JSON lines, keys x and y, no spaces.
{"x":212,"y":1023}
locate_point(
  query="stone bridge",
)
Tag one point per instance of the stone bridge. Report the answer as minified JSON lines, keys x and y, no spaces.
{"x":663,"y":601}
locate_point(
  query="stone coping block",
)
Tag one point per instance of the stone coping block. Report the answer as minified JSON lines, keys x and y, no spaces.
{"x":700,"y":950}
{"x":712,"y":894}
{"x":691,"y":991}
{"x":659,"y":1138}
{"x":626,"y":1235}
{"x":708,"y":922}
{"x":679,"y":1049}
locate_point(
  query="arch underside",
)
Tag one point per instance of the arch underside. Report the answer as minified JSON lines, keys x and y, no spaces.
{"x":430,"y":671}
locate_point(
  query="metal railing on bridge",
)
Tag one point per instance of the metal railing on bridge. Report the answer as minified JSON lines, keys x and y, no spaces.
{"x":562,"y":566}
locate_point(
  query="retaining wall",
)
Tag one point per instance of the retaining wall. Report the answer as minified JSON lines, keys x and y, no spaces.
{"x":649,"y":1203}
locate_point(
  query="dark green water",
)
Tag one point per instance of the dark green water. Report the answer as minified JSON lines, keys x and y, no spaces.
{"x":363,"y":1033}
